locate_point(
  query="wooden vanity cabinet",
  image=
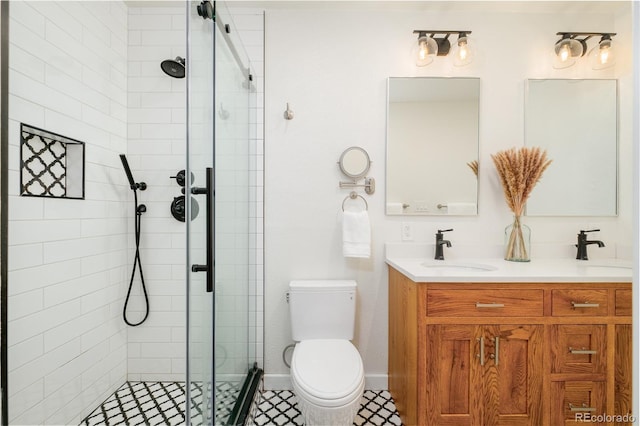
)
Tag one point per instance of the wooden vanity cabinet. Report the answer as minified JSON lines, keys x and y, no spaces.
{"x":508,"y":354}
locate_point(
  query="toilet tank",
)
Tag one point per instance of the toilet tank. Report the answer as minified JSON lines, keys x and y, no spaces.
{"x":322,"y":309}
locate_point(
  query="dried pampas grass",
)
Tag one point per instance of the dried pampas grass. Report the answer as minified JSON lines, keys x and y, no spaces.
{"x":473,"y":165}
{"x":519,"y":171}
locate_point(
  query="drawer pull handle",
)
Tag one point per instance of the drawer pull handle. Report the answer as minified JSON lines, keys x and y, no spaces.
{"x":497,"y":350}
{"x":481,"y":354}
{"x":583,"y":408}
{"x":584,"y":305}
{"x":582,"y":351}
{"x":489,"y":305}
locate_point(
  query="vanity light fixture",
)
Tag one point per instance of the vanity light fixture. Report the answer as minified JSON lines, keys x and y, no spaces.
{"x":572,"y":46}
{"x":429,"y":46}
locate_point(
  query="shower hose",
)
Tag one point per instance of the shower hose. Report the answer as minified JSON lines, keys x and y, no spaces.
{"x":139,"y":209}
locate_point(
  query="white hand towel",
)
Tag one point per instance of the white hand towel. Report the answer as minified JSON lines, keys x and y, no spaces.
{"x":356,"y":234}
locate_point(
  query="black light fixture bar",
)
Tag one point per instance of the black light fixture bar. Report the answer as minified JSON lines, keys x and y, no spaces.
{"x":443,"y":42}
{"x":585,"y":36}
{"x":573,"y":34}
{"x":581,"y":37}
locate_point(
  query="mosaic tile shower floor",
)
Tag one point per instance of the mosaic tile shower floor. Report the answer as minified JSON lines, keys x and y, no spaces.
{"x":162,"y":403}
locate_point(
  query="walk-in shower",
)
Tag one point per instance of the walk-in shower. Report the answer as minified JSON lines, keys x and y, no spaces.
{"x":118,"y":312}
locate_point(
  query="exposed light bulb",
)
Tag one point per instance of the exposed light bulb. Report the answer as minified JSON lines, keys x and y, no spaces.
{"x":422,"y":53}
{"x":463,"y":52}
{"x":426,"y":50}
{"x":603,"y":52}
{"x":603,"y":55}
{"x":564,"y":52}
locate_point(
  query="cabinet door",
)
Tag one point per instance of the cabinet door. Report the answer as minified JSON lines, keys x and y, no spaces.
{"x":452,"y":389}
{"x":513,"y":382}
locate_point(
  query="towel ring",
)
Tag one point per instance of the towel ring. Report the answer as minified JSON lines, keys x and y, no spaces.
{"x":353,"y":195}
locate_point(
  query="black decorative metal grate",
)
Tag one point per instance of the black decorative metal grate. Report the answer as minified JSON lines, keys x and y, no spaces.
{"x":51,"y":165}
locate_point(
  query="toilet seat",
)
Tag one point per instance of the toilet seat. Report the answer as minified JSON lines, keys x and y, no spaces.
{"x":327,"y":372}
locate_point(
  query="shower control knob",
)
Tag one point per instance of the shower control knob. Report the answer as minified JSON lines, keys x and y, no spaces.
{"x":180,"y":178}
{"x":179,"y":210}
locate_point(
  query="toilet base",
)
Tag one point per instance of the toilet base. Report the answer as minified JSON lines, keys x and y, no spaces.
{"x":323,"y":416}
{"x":316,"y":415}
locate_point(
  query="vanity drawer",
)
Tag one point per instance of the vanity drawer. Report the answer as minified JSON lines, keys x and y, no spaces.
{"x":579,"y":349}
{"x":485,"y":303}
{"x":573,"y":400}
{"x":623,"y":302}
{"x":579,"y":302}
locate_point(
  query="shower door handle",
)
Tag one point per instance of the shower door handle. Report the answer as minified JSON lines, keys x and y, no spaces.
{"x":210,"y":212}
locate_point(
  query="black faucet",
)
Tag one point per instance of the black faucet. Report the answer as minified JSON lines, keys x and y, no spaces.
{"x":440,"y":242}
{"x":583,"y":243}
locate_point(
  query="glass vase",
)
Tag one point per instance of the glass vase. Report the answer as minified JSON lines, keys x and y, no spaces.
{"x":517,"y":241}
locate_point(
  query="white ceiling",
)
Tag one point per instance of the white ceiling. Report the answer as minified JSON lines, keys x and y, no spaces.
{"x":529,"y":6}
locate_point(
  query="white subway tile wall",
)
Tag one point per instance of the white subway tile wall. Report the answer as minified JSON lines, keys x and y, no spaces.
{"x":156,"y":151}
{"x":91,"y":71}
{"x":67,"y":343}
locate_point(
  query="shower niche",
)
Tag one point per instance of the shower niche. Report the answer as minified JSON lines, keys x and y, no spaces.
{"x":51,"y":165}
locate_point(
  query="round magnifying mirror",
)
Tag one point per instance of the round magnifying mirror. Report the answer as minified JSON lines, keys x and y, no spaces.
{"x":354,"y":162}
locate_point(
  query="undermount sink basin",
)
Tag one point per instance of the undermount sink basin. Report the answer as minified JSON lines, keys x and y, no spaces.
{"x":444,"y":266}
{"x":605,"y":267}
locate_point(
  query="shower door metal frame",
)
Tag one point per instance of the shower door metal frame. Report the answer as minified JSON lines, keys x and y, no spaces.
{"x":4,"y":202}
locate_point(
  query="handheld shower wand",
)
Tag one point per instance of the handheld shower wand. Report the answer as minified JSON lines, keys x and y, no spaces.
{"x":139,"y":209}
{"x":140,"y":185}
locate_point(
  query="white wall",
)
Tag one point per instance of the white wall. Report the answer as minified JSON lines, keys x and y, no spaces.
{"x":331,"y":63}
{"x":67,"y":342}
{"x":156,"y":135}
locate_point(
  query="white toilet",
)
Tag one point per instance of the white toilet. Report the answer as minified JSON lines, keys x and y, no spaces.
{"x":326,"y":369}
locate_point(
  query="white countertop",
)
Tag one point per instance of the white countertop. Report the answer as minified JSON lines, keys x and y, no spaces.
{"x":537,"y":270}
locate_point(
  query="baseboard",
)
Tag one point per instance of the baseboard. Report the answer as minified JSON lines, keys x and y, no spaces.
{"x":376,"y":382}
{"x":277,"y":382}
{"x":283,"y":382}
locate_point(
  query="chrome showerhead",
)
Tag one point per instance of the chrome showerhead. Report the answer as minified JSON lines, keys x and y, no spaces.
{"x":174,"y":67}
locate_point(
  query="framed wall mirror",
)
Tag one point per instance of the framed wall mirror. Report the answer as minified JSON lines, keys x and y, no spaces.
{"x":432,"y":146}
{"x":576,"y":121}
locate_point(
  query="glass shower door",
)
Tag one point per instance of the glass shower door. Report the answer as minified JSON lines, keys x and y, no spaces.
{"x":218,"y":246}
{"x":232,"y":218}
{"x":199,"y":165}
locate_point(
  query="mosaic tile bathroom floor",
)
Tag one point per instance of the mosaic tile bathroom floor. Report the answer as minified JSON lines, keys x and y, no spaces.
{"x":162,"y":403}
{"x":280,"y":408}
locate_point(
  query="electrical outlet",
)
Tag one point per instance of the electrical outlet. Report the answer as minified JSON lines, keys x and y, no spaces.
{"x":407,"y":232}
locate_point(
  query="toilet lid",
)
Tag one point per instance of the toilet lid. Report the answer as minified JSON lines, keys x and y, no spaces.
{"x":327,"y":368}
